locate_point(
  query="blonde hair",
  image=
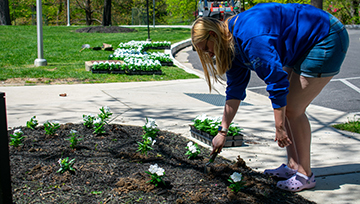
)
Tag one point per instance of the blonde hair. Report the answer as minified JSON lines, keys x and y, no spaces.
{"x":223,"y":47}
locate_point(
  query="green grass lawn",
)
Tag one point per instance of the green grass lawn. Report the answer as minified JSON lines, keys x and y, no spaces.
{"x":351,"y":125}
{"x":62,"y":44}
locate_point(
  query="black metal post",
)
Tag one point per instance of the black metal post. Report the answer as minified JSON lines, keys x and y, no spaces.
{"x":147,"y":11}
{"x":5,"y":180}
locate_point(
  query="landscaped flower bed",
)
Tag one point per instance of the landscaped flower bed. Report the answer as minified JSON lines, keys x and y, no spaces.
{"x":205,"y":128}
{"x":130,"y":66}
{"x":135,"y":59}
{"x":141,"y":46}
{"x":97,"y":162}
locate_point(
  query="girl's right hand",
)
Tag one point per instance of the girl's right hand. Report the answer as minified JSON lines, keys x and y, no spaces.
{"x":218,"y":142}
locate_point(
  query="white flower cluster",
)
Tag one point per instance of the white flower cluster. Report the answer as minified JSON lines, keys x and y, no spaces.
{"x":122,"y":54}
{"x":141,"y":45}
{"x":236,"y":177}
{"x":214,"y":121}
{"x":89,"y":116}
{"x":107,"y":109}
{"x":151,"y":123}
{"x":155,"y":169}
{"x":192,"y":147}
{"x":137,"y":45}
{"x":106,"y":65}
{"x":144,"y":64}
{"x":203,"y":117}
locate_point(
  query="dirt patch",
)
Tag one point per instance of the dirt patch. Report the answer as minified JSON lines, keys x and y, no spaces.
{"x":110,"y":170}
{"x":40,"y":81}
{"x":105,"y":29}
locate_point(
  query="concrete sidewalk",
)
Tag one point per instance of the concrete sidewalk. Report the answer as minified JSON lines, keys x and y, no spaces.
{"x":174,"y":104}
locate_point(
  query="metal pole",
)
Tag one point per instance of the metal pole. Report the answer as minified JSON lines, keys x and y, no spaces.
{"x":5,"y":179}
{"x":39,"y":61}
{"x":154,"y":13}
{"x":147,"y":11}
{"x":68,"y":12}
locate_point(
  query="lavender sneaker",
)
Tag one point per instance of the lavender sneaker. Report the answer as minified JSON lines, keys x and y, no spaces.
{"x":282,"y":172}
{"x":297,"y":183}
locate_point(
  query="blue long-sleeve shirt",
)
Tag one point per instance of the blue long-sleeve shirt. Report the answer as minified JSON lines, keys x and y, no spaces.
{"x":268,"y":37}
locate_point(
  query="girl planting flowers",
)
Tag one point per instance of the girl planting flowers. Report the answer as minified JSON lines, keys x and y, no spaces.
{"x":296,"y":49}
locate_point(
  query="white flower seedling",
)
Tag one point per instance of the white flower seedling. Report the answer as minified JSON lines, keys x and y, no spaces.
{"x":211,"y":124}
{"x":151,"y":130}
{"x":193,"y":150}
{"x":98,"y":126}
{"x":237,"y":183}
{"x":32,"y":123}
{"x":16,"y":138}
{"x":88,"y":120}
{"x":50,"y":127}
{"x":73,"y":139}
{"x":66,"y":165}
{"x":156,"y":173}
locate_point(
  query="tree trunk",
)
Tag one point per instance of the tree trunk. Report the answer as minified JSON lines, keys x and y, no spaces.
{"x":59,"y":12}
{"x":4,"y":13}
{"x":107,"y":13}
{"x":317,"y":3}
{"x":355,"y":6}
{"x":88,"y":12}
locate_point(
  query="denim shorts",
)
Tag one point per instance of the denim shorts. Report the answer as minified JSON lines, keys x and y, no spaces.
{"x":326,"y":57}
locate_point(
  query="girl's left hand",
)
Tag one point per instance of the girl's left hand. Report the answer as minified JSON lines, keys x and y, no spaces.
{"x":282,"y":137}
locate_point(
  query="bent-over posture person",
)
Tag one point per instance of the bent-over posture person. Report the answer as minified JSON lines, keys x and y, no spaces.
{"x":296,"y":49}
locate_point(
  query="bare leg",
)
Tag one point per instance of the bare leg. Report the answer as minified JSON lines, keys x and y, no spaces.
{"x":292,"y":156}
{"x":302,"y":91}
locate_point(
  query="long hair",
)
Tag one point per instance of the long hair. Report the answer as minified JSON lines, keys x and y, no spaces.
{"x":223,"y":47}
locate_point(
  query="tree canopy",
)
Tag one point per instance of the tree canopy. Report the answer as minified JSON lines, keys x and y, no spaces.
{"x":127,"y":12}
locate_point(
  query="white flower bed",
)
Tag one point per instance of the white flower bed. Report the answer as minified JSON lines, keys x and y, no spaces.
{"x":135,"y":58}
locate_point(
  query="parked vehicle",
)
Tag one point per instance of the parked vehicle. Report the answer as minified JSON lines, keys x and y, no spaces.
{"x":218,"y":9}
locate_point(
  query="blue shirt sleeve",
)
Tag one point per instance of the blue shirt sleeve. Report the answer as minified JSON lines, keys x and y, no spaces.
{"x":238,"y":78}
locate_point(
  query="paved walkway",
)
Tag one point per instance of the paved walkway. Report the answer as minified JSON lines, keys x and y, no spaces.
{"x":173,"y":104}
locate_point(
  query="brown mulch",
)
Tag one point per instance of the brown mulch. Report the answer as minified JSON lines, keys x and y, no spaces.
{"x":110,"y":170}
{"x":105,"y":29}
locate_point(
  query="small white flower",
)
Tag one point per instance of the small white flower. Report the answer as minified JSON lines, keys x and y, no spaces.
{"x":97,"y":121}
{"x":151,"y":123}
{"x":189,"y":144}
{"x":153,"y":142}
{"x":73,"y":131}
{"x":18,"y":131}
{"x":192,"y":149}
{"x":107,"y":109}
{"x":153,"y":168}
{"x":160,"y":171}
{"x":236,"y":177}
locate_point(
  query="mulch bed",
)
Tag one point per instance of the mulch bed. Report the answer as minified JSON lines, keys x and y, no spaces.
{"x":110,"y":170}
{"x":105,"y":29}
